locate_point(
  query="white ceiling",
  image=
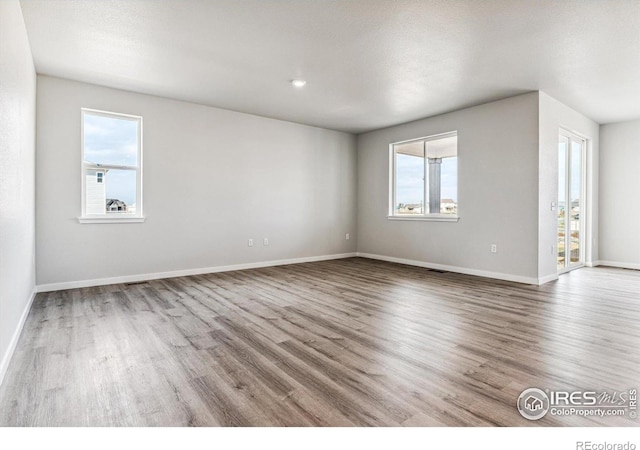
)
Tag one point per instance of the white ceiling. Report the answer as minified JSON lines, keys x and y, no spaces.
{"x":368,"y":63}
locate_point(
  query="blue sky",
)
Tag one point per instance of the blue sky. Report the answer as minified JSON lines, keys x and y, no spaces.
{"x":576,"y":172}
{"x":410,"y":174}
{"x":109,"y":140}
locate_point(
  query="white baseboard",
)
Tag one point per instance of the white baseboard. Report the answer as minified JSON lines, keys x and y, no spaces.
{"x":593,"y":264}
{"x":463,"y":270}
{"x":6,"y":358}
{"x":184,"y":273}
{"x":621,"y":265}
{"x":547,"y":278}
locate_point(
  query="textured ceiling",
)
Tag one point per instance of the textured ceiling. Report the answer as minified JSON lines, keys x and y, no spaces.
{"x":369,"y":63}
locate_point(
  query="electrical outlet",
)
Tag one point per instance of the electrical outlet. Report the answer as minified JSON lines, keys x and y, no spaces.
{"x":553,"y":206}
{"x":346,"y":236}
{"x":265,"y":241}
{"x":494,"y":248}
{"x":250,"y":242}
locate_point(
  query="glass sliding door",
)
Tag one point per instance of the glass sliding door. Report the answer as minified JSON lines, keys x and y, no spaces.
{"x":571,"y":187}
{"x":576,"y":205}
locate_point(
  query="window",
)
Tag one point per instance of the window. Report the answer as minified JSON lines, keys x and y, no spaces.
{"x":111,"y":167}
{"x":424,"y":181}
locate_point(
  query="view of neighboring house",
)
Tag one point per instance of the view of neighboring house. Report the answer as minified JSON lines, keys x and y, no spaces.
{"x":115,"y":205}
{"x":96,"y":189}
{"x":410,"y":208}
{"x":447,"y":206}
{"x":95,"y":185}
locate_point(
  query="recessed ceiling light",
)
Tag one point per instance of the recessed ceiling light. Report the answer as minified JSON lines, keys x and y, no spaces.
{"x":298,"y":83}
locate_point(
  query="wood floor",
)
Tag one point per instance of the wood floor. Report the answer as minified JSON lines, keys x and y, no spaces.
{"x":337,"y":343}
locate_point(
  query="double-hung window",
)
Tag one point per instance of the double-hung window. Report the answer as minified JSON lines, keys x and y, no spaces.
{"x":424,"y":178}
{"x":111,"y":167}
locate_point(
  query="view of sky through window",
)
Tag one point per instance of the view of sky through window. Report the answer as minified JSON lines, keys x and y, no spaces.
{"x":410,"y":179}
{"x":575,"y":182}
{"x":113,"y":141}
{"x":410,"y":184}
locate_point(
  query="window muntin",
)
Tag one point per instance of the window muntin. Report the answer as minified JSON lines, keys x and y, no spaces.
{"x":425,"y":177}
{"x":111,"y":165}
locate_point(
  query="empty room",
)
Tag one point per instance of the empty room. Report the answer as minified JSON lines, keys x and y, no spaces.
{"x":321,"y":214}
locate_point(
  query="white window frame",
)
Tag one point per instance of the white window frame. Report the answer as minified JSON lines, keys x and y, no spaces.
{"x":112,"y":217}
{"x":433,"y":217}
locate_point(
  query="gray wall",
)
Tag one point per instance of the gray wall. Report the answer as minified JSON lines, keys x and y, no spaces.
{"x":212,"y":179}
{"x":497,"y":192}
{"x":553,"y":116}
{"x":619,"y":193}
{"x":17,"y":155}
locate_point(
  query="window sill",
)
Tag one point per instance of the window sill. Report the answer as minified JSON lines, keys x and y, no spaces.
{"x":431,"y":218}
{"x":111,"y":219}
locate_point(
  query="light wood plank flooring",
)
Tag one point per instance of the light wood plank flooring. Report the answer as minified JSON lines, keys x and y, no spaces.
{"x":337,"y":343}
